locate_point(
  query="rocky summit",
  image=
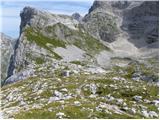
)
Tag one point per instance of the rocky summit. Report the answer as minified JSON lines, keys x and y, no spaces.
{"x":103,"y":65}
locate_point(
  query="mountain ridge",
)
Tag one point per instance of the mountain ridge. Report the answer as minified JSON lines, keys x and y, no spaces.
{"x":101,"y":65}
{"x":66,"y":30}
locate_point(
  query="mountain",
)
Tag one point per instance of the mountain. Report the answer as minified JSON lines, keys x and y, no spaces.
{"x":102,"y":65}
{"x":125,"y":25}
{"x":7,"y":46}
{"x":105,"y":21}
{"x":52,"y":37}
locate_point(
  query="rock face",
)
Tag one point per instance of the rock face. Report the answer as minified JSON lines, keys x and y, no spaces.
{"x":119,"y":24}
{"x":141,"y":20}
{"x":101,"y":22}
{"x":107,"y":20}
{"x":77,"y":16}
{"x":7,"y":45}
{"x":49,"y":35}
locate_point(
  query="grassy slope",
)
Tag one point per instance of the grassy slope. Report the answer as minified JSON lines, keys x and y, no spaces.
{"x":74,"y":82}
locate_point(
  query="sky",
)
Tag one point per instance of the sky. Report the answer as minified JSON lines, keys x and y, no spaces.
{"x":10,"y":10}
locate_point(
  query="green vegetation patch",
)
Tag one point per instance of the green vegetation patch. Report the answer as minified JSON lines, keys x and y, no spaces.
{"x":78,"y":63}
{"x":39,"y":60}
{"x":90,"y":44}
{"x":78,"y":38}
{"x":35,"y":114}
{"x":41,"y":40}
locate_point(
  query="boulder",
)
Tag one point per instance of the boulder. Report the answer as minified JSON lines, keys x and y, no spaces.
{"x":119,"y":101}
{"x":137,"y":98}
{"x":77,"y":103}
{"x":153,"y":114}
{"x":132,"y":110}
{"x":66,"y":73}
{"x":60,"y":115}
{"x":93,"y":88}
{"x":20,"y":76}
{"x":155,"y":102}
{"x":145,"y":113}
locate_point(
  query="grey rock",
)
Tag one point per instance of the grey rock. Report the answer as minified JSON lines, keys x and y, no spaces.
{"x":64,"y":90}
{"x":95,"y":70}
{"x":97,"y":21}
{"x":109,"y":98}
{"x":155,"y":102}
{"x":134,"y":16}
{"x":52,"y":99}
{"x":20,"y":76}
{"x":143,"y":107}
{"x":77,"y":16}
{"x":66,"y":73}
{"x":147,"y":101}
{"x":77,"y":103}
{"x":108,"y":20}
{"x":93,"y":89}
{"x":125,"y":108}
{"x":22,"y":103}
{"x":119,"y":101}
{"x":137,"y":98}
{"x":153,"y":114}
{"x":145,"y":113}
{"x":132,"y":110}
{"x":58,"y":94}
{"x":60,"y":115}
{"x":7,"y":49}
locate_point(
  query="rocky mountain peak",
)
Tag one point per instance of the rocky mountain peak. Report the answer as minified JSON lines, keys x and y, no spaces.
{"x":77,"y":16}
{"x":40,"y":19}
{"x":108,"y":5}
{"x":26,"y":15}
{"x":99,"y":5}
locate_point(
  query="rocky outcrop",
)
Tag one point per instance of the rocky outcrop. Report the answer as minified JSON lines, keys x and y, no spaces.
{"x":106,"y":20}
{"x":7,"y":45}
{"x":77,"y":17}
{"x":31,"y":20}
{"x":100,"y":22}
{"x":141,"y":21}
{"x":49,"y":35}
{"x":110,"y":29}
{"x":40,"y":19}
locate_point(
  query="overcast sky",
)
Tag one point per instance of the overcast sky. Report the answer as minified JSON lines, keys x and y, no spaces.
{"x":10,"y":10}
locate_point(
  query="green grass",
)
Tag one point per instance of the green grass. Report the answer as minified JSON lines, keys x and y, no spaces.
{"x":65,"y":30}
{"x":39,"y":60}
{"x":90,"y":44}
{"x":74,"y":82}
{"x":41,"y":40}
{"x":78,"y":63}
{"x":46,"y":94}
{"x":82,"y":40}
{"x":35,"y":114}
{"x":75,"y":112}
